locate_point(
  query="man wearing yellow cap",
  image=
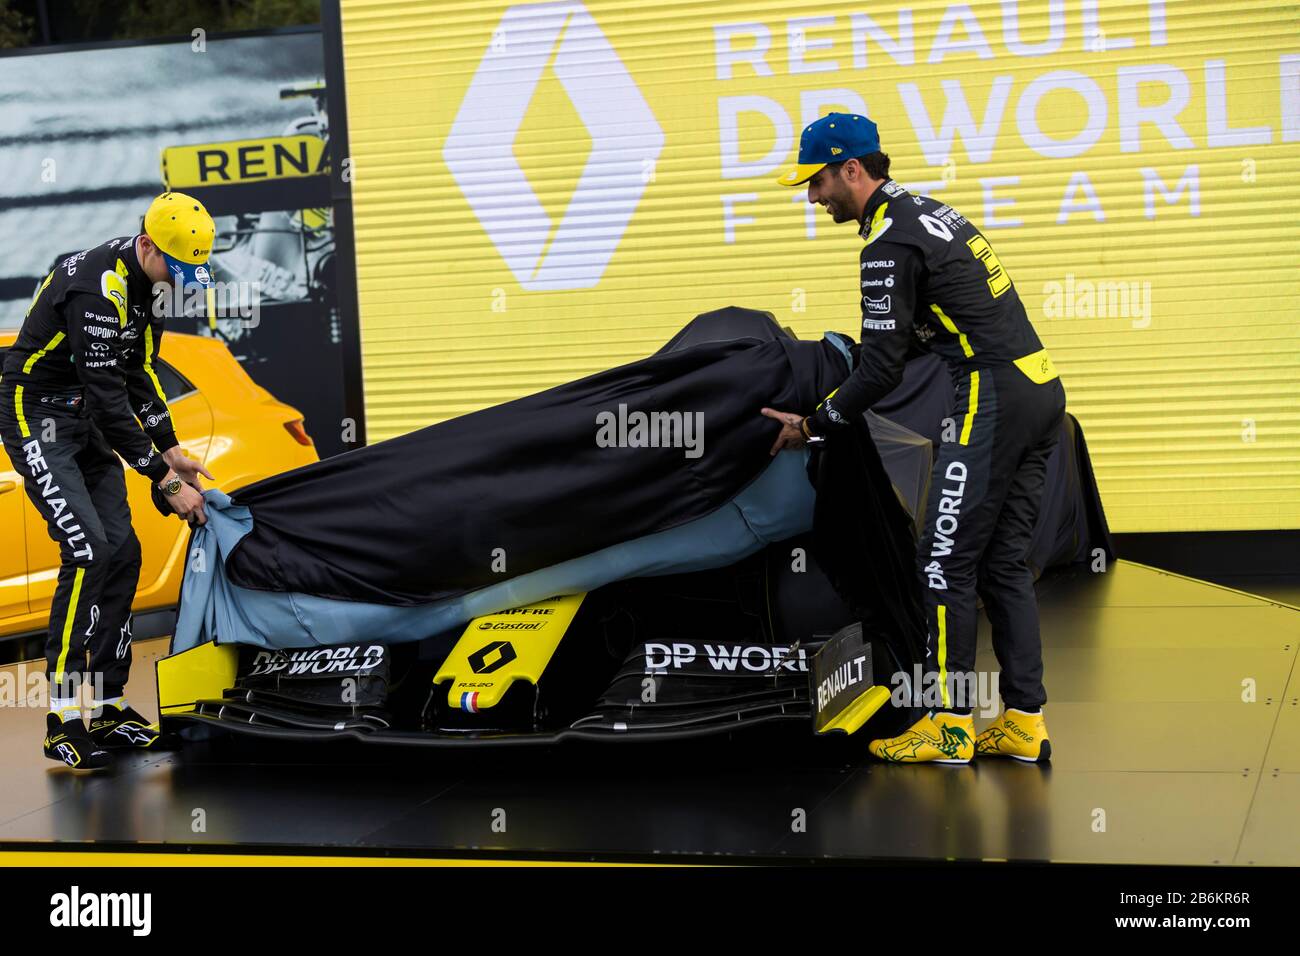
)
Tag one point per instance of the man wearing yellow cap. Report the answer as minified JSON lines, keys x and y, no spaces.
{"x":78,"y":389}
{"x":930,"y":282}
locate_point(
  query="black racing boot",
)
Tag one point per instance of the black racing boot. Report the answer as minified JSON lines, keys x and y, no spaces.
{"x":122,"y":728}
{"x":68,"y":742}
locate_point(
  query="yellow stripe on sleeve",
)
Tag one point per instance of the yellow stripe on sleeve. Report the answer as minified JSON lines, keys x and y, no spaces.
{"x":149,"y":355}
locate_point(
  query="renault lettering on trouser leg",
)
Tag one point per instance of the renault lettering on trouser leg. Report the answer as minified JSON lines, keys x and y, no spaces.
{"x":63,"y":516}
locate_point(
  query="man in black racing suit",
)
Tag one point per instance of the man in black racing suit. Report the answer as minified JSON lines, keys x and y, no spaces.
{"x":78,"y":389}
{"x":931,"y":282}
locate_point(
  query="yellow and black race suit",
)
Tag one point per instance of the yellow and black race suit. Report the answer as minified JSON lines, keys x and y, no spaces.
{"x":930,"y":282}
{"x":92,"y":329}
{"x":79,"y":385}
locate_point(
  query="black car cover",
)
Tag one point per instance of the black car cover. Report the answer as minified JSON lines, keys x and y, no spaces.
{"x":522,"y":486}
{"x":510,"y":489}
{"x":864,"y":540}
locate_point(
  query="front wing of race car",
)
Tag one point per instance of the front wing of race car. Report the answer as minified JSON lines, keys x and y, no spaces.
{"x":539,"y":674}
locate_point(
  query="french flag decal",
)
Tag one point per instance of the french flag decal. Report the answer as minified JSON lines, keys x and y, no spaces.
{"x":469,"y":701}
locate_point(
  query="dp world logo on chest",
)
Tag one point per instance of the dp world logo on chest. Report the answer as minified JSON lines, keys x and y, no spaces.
{"x":625,"y":142}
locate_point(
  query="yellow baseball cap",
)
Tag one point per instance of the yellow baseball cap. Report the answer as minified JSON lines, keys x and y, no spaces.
{"x":183,"y":232}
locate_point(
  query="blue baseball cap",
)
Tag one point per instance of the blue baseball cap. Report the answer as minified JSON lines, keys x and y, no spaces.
{"x":832,"y":139}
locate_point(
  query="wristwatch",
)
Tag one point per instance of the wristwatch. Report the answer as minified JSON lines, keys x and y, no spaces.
{"x":173,"y":486}
{"x":808,"y":435}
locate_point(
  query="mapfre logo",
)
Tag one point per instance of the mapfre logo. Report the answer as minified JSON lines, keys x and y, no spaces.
{"x":626,"y":140}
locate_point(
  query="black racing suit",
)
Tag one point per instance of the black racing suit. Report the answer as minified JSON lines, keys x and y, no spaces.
{"x":931,"y":282}
{"x":78,"y":385}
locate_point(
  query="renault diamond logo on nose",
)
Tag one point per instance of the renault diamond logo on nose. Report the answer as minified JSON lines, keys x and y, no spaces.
{"x":625,"y":141}
{"x":491,"y":657}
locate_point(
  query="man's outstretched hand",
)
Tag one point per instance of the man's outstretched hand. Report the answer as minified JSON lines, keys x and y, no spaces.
{"x":791,"y":437}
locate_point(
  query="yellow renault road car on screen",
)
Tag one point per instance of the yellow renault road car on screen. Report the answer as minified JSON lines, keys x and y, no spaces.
{"x":223,"y":418}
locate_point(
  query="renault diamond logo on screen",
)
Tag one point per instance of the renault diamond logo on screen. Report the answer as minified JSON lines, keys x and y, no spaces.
{"x":625,"y":142}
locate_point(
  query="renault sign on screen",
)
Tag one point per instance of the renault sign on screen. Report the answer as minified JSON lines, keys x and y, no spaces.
{"x":544,"y":190}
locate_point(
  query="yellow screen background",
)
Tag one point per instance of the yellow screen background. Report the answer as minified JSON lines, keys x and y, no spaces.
{"x":1175,"y":328}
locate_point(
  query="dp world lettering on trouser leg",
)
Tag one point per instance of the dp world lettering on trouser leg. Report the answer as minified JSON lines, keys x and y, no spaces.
{"x":984,"y":498}
{"x":958,"y":520}
{"x":1005,"y":579}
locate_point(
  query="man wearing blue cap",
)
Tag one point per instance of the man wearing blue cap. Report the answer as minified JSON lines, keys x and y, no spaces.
{"x":930,"y":282}
{"x":78,"y":389}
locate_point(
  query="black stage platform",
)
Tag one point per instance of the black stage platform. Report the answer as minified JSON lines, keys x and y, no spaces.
{"x":1159,"y":759}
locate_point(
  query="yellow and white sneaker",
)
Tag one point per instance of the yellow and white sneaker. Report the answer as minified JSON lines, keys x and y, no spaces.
{"x":941,"y":737}
{"x":1018,"y":734}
